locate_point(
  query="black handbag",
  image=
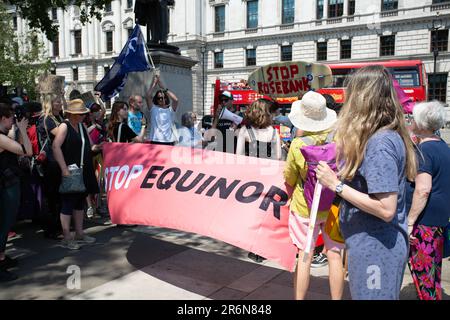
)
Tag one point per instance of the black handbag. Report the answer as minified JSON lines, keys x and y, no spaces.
{"x":74,"y":183}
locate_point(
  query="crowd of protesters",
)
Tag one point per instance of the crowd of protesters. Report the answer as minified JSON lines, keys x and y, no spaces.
{"x":392,"y":172}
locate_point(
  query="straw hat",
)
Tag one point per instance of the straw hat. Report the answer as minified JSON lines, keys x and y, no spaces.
{"x":311,"y":113}
{"x":76,"y":106}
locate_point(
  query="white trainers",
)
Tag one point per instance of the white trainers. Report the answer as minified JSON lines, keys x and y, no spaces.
{"x":85,"y":239}
{"x":70,"y":244}
{"x":90,"y":212}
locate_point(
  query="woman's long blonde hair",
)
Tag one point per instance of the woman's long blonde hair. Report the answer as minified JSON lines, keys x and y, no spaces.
{"x":371,"y":104}
{"x":47,"y":100}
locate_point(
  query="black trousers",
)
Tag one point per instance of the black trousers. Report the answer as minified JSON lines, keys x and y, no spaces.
{"x":52,"y":180}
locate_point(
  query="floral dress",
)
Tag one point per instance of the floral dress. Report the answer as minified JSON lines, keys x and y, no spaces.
{"x":425,"y":261}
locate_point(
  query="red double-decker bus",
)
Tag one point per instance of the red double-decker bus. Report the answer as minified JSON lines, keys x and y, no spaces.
{"x":410,"y":74}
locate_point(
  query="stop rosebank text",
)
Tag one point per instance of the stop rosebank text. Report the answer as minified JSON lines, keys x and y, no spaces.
{"x":281,"y":80}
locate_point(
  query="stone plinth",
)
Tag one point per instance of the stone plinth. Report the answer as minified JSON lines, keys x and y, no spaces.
{"x":175,"y":73}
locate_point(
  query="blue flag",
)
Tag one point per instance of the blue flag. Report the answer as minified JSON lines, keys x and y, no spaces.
{"x":133,"y":57}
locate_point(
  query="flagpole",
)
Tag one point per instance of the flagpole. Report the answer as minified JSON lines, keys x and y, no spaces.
{"x":151,"y":60}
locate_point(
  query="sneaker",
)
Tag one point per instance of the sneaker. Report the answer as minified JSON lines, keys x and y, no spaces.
{"x":90,"y":212}
{"x":85,"y":239}
{"x":6,"y":276}
{"x":319,"y":260}
{"x":70,"y":244}
{"x":11,"y":234}
{"x":8,"y":263}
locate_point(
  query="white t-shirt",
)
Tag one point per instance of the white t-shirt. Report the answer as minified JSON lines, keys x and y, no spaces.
{"x":189,"y":137}
{"x":161,"y":122}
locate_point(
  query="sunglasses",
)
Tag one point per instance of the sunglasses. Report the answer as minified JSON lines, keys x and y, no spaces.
{"x":224,"y":100}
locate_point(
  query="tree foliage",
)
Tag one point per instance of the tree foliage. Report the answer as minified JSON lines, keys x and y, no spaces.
{"x":22,"y":57}
{"x":37,"y":12}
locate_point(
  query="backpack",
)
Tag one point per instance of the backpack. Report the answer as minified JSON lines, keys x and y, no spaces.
{"x":313,"y":154}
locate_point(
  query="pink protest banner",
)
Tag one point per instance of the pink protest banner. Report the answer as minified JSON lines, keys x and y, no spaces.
{"x":235,"y":199}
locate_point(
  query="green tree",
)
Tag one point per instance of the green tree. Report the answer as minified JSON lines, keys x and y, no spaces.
{"x":22,"y":57}
{"x":37,"y":12}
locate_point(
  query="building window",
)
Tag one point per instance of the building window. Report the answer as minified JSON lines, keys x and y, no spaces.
{"x":346,"y":49}
{"x":319,"y":9}
{"x":335,"y":8}
{"x":351,"y":7}
{"x":439,"y":40}
{"x":250,"y":57}
{"x":129,"y":4}
{"x":437,"y":86}
{"x":321,"y":51}
{"x":55,"y":44}
{"x":53,"y":70}
{"x":288,"y":11}
{"x":106,"y":69}
{"x":14,"y":22}
{"x":76,"y":11}
{"x":108,"y":7}
{"x":286,"y":53}
{"x":220,"y":19}
{"x":218,"y":60}
{"x":387,"y":5}
{"x":75,"y":74}
{"x":34,"y":40}
{"x":109,"y":41}
{"x":252,"y":14}
{"x":54,"y":14}
{"x":130,"y":31}
{"x":77,"y":38}
{"x":387,"y":45}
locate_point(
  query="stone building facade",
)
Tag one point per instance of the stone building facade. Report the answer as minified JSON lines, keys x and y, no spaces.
{"x":230,"y":38}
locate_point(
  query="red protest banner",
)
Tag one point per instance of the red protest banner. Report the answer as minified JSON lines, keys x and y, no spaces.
{"x":236,"y":199}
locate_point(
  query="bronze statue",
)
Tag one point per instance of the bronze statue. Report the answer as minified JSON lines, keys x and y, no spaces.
{"x":155,"y":15}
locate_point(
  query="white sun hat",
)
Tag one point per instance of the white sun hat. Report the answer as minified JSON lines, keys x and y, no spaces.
{"x":311,"y":113}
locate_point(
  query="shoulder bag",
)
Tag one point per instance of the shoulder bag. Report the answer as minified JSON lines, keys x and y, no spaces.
{"x":74,"y":183}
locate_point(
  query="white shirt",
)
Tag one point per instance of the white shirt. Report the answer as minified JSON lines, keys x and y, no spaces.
{"x":161,"y":122}
{"x":186,"y":139}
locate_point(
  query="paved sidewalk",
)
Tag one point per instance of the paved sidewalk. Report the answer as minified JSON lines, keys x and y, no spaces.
{"x":155,"y":263}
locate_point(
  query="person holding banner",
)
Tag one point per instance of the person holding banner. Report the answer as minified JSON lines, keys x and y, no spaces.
{"x":375,"y":155}
{"x":315,"y":120}
{"x":259,"y":139}
{"x":163,"y":107}
{"x":118,"y":129}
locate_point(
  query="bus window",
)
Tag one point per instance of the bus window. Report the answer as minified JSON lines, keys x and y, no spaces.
{"x":339,"y":76}
{"x":406,"y":77}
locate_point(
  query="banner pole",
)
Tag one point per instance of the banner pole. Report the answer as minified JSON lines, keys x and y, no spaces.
{"x":312,"y":219}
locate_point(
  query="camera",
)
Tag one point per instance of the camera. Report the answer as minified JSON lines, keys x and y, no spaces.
{"x":29,"y":110}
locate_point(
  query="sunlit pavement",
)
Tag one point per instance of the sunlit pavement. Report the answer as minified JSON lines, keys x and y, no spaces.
{"x":154,"y":263}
